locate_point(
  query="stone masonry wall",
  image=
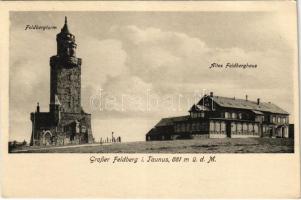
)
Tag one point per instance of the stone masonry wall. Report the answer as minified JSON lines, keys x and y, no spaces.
{"x":66,"y":84}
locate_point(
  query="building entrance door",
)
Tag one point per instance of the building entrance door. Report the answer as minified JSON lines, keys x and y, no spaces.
{"x":47,"y":138}
{"x":228,"y":129}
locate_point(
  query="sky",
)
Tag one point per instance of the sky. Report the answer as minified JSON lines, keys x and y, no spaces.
{"x":138,"y":67}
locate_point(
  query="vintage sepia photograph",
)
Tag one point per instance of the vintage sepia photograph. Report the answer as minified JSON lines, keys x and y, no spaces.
{"x":151,"y":82}
{"x":149,"y":99}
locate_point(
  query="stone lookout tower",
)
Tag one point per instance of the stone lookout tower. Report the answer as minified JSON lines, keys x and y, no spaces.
{"x":66,"y":122}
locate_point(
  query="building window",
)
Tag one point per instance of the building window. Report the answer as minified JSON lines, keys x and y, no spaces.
{"x":239,"y":128}
{"x":217,"y":126}
{"x":245,"y":127}
{"x":196,"y":124}
{"x":256,"y":128}
{"x":233,"y":127}
{"x":177,"y":128}
{"x":183,"y":127}
{"x":211,"y":126}
{"x":278,"y":119}
{"x":203,"y":126}
{"x":274,"y":119}
{"x":260,"y":118}
{"x":202,"y":114}
{"x":222,"y":114}
{"x":187,"y":127}
{"x":227,"y":115}
{"x":250,"y":127}
{"x":192,"y":115}
{"x":234,"y":115}
{"x":193,"y":127}
{"x":223,"y":126}
{"x":239,"y":115}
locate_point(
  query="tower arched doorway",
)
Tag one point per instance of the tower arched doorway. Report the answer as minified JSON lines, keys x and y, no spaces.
{"x":47,"y":137}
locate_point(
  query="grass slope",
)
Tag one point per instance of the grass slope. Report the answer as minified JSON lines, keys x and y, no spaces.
{"x":243,"y":145}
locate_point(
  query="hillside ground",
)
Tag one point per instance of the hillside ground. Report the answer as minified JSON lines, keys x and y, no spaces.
{"x":228,"y":145}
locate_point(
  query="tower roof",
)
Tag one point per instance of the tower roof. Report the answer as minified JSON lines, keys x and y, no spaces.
{"x":65,"y":27}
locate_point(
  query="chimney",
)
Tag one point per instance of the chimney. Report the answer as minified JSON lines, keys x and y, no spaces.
{"x":234,"y":97}
{"x":258,"y":101}
{"x":246,"y":97}
{"x":38,"y":107}
{"x":211,"y":94}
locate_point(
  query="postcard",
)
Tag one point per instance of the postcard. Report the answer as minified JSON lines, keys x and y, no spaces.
{"x":150,"y":99}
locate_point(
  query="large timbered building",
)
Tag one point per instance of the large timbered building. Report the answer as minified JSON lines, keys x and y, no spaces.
{"x":222,"y":117}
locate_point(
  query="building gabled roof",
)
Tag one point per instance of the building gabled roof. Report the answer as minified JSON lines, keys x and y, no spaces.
{"x":257,"y":112}
{"x":170,"y":121}
{"x":198,"y":107}
{"x":153,"y":131}
{"x":248,"y":105}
